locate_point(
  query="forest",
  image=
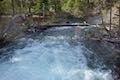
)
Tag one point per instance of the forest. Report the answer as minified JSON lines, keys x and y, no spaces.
{"x":59,"y":39}
{"x":74,"y":7}
{"x":103,"y":12}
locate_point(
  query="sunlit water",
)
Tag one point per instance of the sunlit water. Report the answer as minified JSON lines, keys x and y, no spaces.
{"x":57,"y":56}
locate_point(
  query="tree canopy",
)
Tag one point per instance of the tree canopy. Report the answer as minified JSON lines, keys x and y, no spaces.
{"x":75,"y":7}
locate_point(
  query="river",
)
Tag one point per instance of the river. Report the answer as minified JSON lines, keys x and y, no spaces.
{"x":55,"y":54}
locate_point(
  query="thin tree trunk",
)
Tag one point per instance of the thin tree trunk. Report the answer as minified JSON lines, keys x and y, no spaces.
{"x":119,"y":20}
{"x":55,"y":7}
{"x":119,"y":17}
{"x":110,"y":19}
{"x":13,"y":7}
{"x":30,"y":10}
{"x":21,"y":6}
{"x":30,"y":7}
{"x":88,"y":3}
{"x":103,"y":24}
{"x":43,"y":12}
{"x":87,"y":11}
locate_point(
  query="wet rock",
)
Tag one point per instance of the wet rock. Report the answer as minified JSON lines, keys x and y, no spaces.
{"x":117,"y":63}
{"x":15,"y":26}
{"x":12,"y":30}
{"x":93,"y":32}
{"x":3,"y":42}
{"x":117,"y":56}
{"x":94,"y":19}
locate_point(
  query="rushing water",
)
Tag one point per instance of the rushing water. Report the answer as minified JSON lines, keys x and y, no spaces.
{"x":53,"y":55}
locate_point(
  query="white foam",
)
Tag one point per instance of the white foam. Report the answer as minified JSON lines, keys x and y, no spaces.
{"x":51,"y":59}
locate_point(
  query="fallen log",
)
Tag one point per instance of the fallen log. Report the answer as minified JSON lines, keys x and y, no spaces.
{"x":113,"y":40}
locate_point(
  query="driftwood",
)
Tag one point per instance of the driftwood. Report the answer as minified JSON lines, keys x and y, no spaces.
{"x":111,"y":40}
{"x":114,"y":40}
{"x":62,"y":25}
{"x":43,"y":27}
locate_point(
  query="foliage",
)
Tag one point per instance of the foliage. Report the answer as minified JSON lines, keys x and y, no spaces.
{"x":5,"y":6}
{"x":39,"y":5}
{"x":75,"y":7}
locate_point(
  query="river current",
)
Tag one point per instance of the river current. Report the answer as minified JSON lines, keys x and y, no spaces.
{"x":53,"y":55}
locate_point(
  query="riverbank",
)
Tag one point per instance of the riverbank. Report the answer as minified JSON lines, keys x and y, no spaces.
{"x":40,"y":24}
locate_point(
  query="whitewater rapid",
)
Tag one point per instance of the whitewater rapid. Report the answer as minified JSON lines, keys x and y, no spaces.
{"x":54,"y":57}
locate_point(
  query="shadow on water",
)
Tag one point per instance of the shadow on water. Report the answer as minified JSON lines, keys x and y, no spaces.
{"x":102,"y":53}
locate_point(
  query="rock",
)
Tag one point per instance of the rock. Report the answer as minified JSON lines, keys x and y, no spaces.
{"x":3,"y":42}
{"x":13,"y":29}
{"x":117,"y":51}
{"x":15,"y":26}
{"x":94,"y":19}
{"x":20,"y":18}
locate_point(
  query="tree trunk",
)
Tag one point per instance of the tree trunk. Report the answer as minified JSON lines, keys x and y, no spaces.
{"x":13,"y":7}
{"x":88,"y":4}
{"x":119,"y":20}
{"x":43,"y":12}
{"x":110,"y":19}
{"x":118,"y":15}
{"x":30,"y":6}
{"x":103,"y":24}
{"x":55,"y":7}
{"x":21,"y":6}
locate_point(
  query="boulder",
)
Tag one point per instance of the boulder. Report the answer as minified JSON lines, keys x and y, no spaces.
{"x":14,"y":27}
